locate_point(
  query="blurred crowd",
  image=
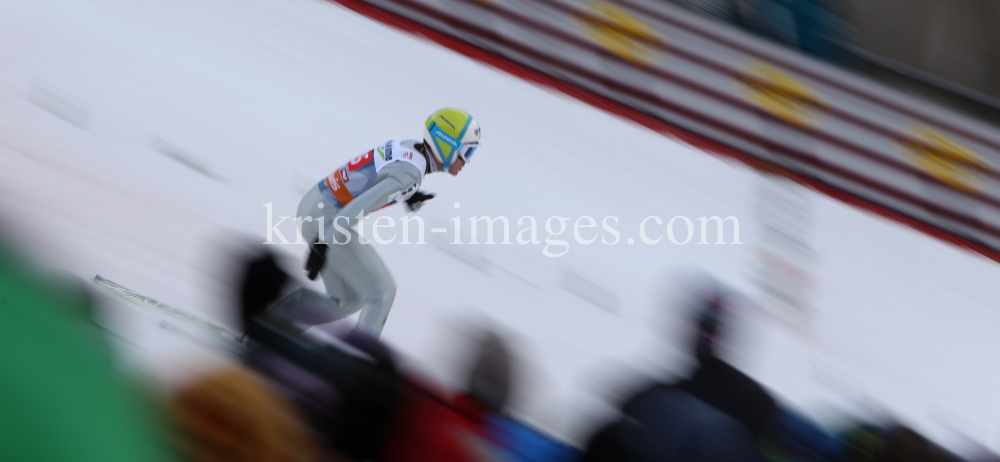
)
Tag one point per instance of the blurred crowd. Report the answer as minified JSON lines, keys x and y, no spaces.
{"x":288,"y":398}
{"x":934,"y":50}
{"x":812,"y":26}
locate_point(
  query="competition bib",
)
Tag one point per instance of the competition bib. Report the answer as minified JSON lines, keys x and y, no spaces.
{"x":361,"y":173}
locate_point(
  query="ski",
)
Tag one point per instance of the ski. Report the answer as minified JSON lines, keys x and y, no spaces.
{"x":154,"y":305}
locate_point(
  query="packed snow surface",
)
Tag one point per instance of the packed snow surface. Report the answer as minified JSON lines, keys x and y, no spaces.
{"x":141,"y":139}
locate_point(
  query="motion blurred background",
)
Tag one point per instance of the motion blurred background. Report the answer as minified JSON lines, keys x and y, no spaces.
{"x":158,"y":145}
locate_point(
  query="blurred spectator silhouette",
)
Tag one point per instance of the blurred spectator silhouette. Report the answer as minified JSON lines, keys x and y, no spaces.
{"x":233,"y":414}
{"x":437,"y":424}
{"x":61,"y":397}
{"x":716,"y":415}
{"x":348,"y":390}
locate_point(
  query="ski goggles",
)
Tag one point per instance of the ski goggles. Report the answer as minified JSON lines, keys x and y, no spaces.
{"x":467,"y":149}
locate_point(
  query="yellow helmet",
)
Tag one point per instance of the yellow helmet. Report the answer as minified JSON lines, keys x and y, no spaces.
{"x":451,"y":133}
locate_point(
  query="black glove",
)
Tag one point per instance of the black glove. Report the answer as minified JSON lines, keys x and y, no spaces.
{"x":417,"y":200}
{"x":317,"y":258}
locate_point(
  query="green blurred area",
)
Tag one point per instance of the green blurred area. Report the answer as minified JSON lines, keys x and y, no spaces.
{"x":61,"y":397}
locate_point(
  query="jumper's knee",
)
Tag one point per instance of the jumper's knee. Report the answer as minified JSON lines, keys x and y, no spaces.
{"x":384,"y":292}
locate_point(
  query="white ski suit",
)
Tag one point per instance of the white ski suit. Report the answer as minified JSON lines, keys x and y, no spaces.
{"x":354,"y":275}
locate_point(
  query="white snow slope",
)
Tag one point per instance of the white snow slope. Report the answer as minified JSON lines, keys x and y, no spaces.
{"x":138,"y":136}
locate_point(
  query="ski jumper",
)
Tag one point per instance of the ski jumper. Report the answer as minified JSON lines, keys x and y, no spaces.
{"x":354,"y":275}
